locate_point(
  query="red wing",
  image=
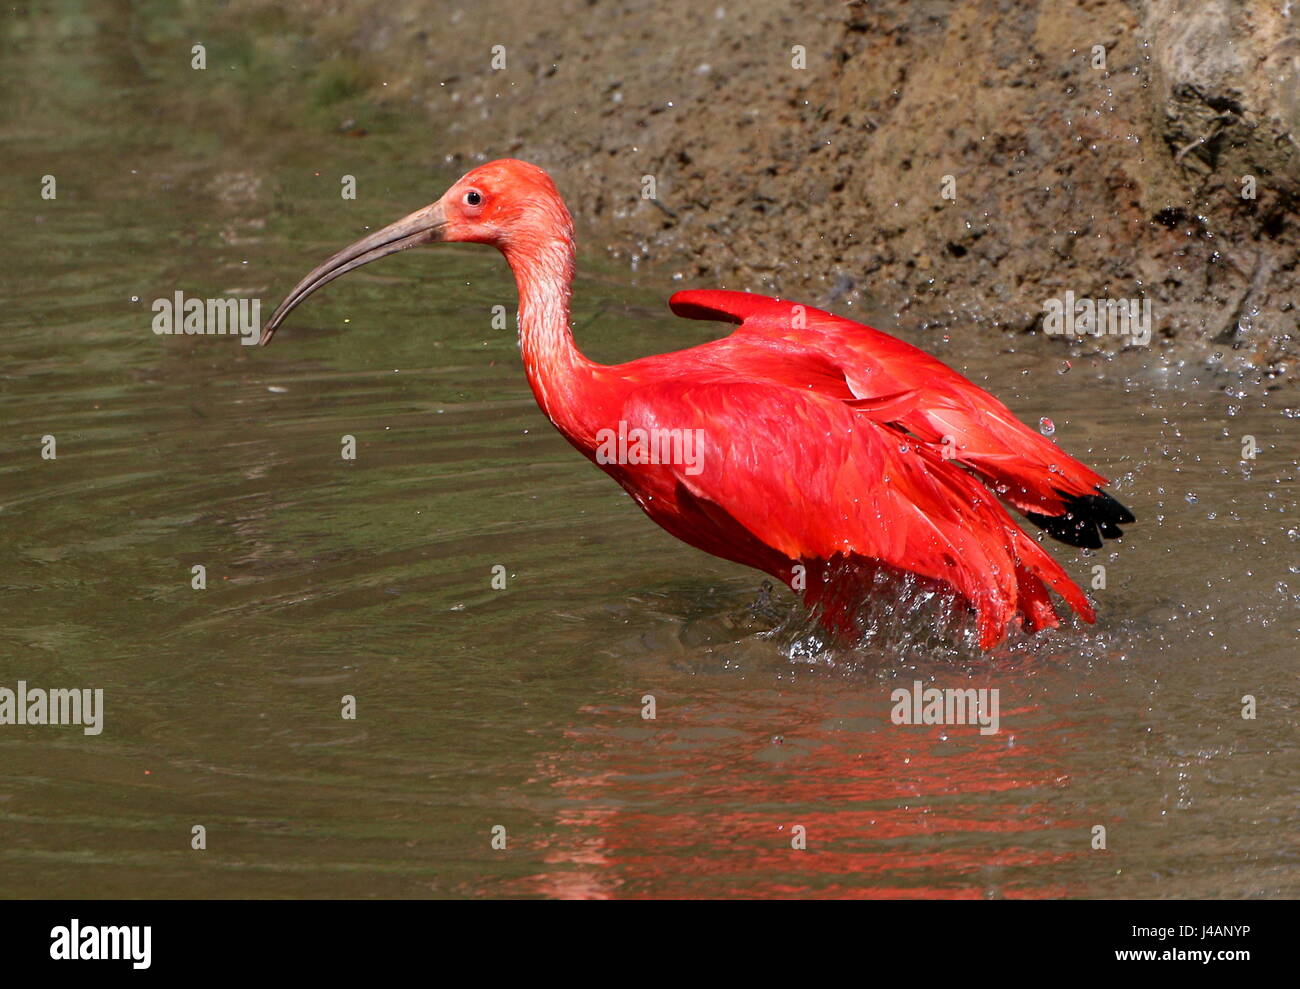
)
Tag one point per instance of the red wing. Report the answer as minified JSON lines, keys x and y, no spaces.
{"x":810,"y":478}
{"x":895,"y":382}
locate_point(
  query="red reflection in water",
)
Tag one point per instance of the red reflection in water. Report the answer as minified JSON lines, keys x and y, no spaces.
{"x":888,"y":811}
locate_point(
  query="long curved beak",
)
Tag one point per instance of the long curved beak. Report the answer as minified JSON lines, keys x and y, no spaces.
{"x":424,"y":226}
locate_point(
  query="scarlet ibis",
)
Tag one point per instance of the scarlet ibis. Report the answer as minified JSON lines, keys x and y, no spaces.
{"x":816,"y":449}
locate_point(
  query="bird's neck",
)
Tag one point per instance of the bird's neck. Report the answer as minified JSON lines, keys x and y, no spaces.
{"x":557,"y":371}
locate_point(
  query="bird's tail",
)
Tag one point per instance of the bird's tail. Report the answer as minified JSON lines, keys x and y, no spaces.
{"x":1036,"y":570}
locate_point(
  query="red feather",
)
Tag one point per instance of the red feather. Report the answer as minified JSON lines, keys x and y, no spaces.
{"x":823,"y":445}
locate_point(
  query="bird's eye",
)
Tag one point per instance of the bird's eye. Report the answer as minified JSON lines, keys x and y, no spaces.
{"x":473,"y":198}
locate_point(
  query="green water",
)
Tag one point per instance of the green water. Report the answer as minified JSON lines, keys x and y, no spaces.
{"x":521,"y":708}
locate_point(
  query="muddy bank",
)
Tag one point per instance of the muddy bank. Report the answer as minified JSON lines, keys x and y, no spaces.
{"x":952,"y":164}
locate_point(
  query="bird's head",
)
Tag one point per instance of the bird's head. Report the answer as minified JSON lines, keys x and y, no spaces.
{"x":510,"y":204}
{"x":506,"y":203}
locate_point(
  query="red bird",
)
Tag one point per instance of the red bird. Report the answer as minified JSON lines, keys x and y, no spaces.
{"x":811,"y":447}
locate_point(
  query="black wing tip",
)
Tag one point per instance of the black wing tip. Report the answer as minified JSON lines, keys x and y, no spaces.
{"x":1086,"y":521}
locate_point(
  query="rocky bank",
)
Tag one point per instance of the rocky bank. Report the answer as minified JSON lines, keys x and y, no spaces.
{"x":805,"y":147}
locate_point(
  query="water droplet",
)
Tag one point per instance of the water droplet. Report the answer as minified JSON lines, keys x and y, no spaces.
{"x":1046,"y":426}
